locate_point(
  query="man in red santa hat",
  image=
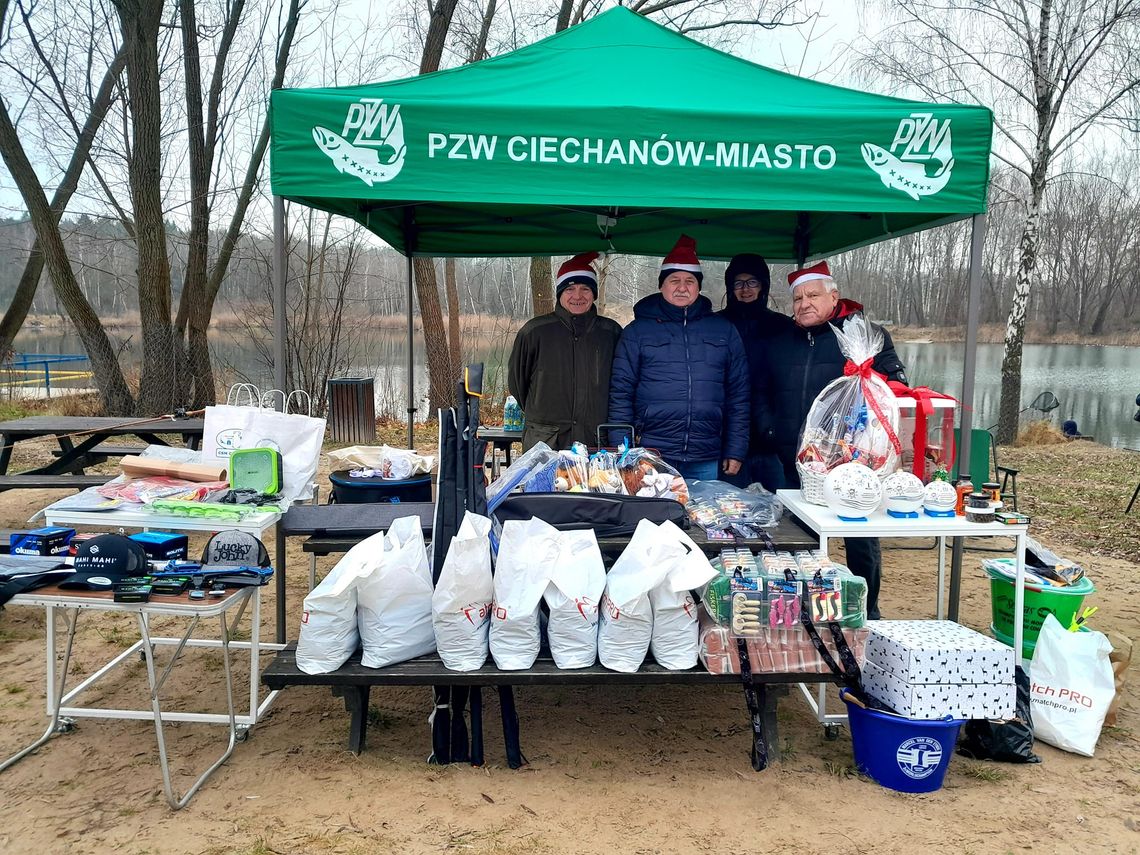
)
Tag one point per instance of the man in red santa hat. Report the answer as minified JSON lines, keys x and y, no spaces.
{"x":559,"y":369}
{"x":681,"y":374}
{"x":802,"y":359}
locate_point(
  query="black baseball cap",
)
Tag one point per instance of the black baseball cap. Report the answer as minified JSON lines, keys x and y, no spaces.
{"x":103,"y":560}
{"x":233,"y":548}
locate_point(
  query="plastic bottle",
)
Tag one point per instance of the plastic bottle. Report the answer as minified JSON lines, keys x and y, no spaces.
{"x":964,"y":488}
{"x":511,"y":414}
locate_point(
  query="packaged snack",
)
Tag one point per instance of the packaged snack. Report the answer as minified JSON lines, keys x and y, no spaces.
{"x":604,"y":476}
{"x":644,"y":473}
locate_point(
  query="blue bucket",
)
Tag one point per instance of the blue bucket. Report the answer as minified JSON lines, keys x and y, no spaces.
{"x":904,"y":754}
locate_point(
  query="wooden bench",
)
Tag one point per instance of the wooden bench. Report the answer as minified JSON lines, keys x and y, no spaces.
{"x":352,"y":682}
{"x":55,"y":482}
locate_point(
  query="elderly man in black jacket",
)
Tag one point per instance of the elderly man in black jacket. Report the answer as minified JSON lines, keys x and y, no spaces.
{"x":559,"y":369}
{"x":800,"y":361}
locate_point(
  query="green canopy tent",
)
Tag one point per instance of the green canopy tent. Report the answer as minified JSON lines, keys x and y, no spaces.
{"x":617,"y":135}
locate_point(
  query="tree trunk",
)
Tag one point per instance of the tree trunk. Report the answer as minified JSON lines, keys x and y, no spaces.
{"x":436,"y":35}
{"x":104,"y":364}
{"x":442,"y":375}
{"x":541,"y":286}
{"x":140,"y":21}
{"x":1015,"y":325}
{"x":453,"y":340}
{"x":17,"y":311}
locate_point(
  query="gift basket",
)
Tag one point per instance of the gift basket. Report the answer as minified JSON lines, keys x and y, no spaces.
{"x":854,"y":419}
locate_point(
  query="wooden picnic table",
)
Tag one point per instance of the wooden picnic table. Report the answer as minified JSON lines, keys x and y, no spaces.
{"x":77,"y":452}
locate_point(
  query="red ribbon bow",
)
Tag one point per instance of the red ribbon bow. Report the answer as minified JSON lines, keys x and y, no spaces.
{"x":864,"y":371}
{"x":923,"y":396}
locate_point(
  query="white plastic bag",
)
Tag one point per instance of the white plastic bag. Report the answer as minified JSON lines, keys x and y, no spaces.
{"x":393,"y":463}
{"x":227,"y":428}
{"x":576,"y":586}
{"x":394,"y":600}
{"x":626,"y":623}
{"x":329,"y":633}
{"x":675,"y":642}
{"x":461,"y":604}
{"x":1071,"y":687}
{"x":527,"y":553}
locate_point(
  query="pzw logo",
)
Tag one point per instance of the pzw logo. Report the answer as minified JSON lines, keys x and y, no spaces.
{"x":919,"y":139}
{"x":376,"y":150}
{"x":919,"y":757}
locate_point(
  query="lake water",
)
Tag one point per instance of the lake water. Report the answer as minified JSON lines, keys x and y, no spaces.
{"x":1097,"y":386}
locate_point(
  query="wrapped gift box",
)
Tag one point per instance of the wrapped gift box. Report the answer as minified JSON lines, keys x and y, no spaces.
{"x":926,"y":430}
{"x":937,"y":700}
{"x":938,"y":651}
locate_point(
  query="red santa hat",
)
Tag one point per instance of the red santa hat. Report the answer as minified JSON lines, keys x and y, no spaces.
{"x":682,"y":257}
{"x":807,"y":274}
{"x":577,"y":270}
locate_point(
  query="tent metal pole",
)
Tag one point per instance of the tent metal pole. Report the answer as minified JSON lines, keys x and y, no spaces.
{"x":411,"y":356}
{"x":279,"y":325}
{"x":969,"y":364}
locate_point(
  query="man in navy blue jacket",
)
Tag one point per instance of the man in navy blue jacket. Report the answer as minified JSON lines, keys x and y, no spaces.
{"x":680,"y":374}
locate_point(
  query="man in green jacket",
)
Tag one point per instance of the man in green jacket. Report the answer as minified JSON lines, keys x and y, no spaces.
{"x":559,"y":369}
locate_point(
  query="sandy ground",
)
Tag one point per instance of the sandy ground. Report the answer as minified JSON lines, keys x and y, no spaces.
{"x":635,"y":770}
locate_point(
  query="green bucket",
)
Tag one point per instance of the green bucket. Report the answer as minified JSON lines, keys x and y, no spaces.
{"x":1063,"y":603}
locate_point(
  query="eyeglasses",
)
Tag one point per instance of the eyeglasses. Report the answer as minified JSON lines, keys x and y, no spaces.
{"x":745,"y":283}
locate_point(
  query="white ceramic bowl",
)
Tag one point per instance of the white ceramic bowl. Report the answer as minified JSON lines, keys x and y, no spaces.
{"x":940,"y":497}
{"x":852,"y":490}
{"x":904,"y":493}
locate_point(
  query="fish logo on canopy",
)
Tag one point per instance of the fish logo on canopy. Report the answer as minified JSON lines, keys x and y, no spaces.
{"x":920,"y":139}
{"x":370,"y":146}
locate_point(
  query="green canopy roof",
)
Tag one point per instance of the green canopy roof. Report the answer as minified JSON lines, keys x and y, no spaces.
{"x":618,"y":134}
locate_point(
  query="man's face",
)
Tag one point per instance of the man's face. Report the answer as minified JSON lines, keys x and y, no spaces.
{"x":747,"y":287}
{"x":813,"y":303}
{"x":680,"y":289}
{"x":577,"y":298}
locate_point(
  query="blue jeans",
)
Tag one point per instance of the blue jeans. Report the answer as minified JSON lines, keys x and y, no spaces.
{"x":699,"y":470}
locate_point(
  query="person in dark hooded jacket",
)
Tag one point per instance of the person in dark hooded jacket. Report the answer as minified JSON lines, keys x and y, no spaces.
{"x":802,"y":360}
{"x":747,"y":283}
{"x":680,"y":374}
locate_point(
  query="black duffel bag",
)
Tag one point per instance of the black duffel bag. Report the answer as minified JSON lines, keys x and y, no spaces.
{"x":608,"y":514}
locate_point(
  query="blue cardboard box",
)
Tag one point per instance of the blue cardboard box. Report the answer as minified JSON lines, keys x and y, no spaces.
{"x":52,"y":540}
{"x":162,"y":545}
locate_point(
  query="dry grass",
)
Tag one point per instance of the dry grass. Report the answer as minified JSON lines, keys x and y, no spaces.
{"x":1039,"y":433}
{"x":1076,"y":493}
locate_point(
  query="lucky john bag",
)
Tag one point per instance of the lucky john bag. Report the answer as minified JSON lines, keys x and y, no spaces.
{"x":528,"y":551}
{"x":461,"y":604}
{"x":576,"y":584}
{"x":608,"y":515}
{"x":855,"y":417}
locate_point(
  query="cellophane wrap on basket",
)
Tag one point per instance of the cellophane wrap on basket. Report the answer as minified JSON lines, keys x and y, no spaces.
{"x":855,"y":417}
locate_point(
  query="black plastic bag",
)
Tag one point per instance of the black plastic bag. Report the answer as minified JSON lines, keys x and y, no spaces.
{"x":1004,"y":741}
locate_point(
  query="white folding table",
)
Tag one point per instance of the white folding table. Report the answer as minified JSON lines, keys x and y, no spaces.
{"x":67,"y":605}
{"x":255,"y":523}
{"x":824,"y":522}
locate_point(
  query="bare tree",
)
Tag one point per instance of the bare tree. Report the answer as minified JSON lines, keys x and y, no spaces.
{"x":1051,"y":71}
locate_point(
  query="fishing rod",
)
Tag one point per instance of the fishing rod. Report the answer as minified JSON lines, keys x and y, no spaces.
{"x":180,"y":413}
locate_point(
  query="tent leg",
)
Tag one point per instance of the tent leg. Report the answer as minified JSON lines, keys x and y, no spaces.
{"x":279,"y":326}
{"x":969,"y":364}
{"x":411,"y":357}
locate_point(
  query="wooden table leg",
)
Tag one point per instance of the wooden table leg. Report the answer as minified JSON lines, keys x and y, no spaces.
{"x":356,"y":703}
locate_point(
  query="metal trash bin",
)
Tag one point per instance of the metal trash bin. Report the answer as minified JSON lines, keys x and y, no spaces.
{"x":352,"y":410}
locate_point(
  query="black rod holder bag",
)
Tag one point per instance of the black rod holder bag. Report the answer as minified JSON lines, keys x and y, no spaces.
{"x":608,"y":514}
